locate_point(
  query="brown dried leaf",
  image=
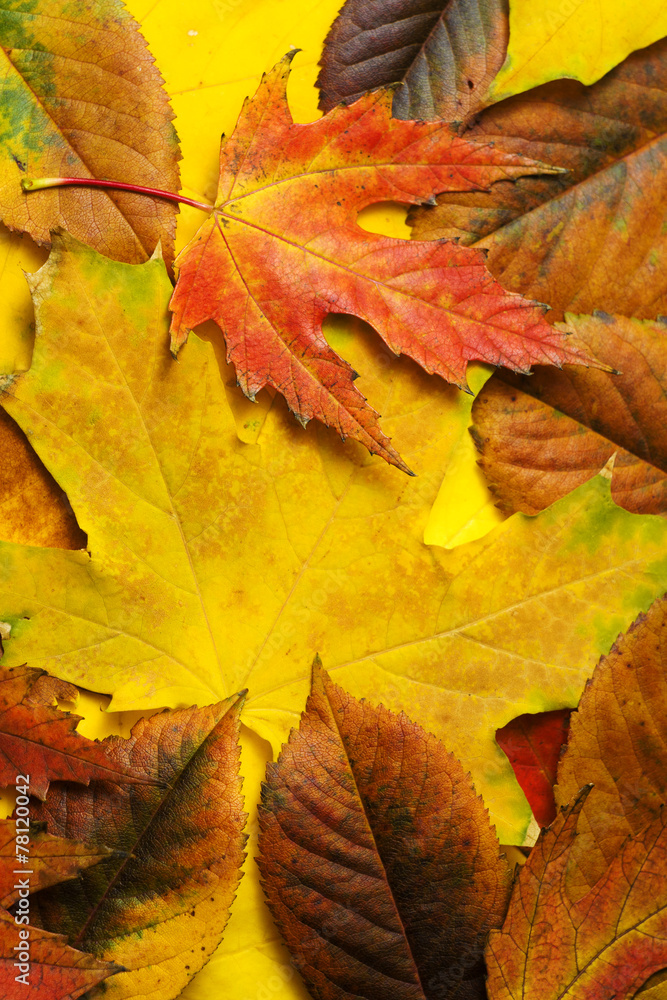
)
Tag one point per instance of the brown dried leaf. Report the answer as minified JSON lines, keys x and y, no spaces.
{"x":379,"y":862}
{"x":592,"y":238}
{"x":617,"y":741}
{"x":542,"y":435}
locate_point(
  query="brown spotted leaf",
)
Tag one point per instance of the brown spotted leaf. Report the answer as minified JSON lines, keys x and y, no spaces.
{"x":606,"y":944}
{"x":444,"y":53}
{"x":160,"y":907}
{"x":533,"y":743}
{"x":54,"y":971}
{"x":544,"y":435}
{"x":378,"y":859}
{"x":592,"y":238}
{"x":40,"y":742}
{"x":50,"y":859}
{"x":617,"y":741}
{"x":82,"y":97}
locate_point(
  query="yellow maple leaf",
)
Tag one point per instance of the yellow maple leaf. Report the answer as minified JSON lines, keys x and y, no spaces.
{"x":215,"y":565}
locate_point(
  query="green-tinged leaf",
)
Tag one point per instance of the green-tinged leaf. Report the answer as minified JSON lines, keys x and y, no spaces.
{"x":81,"y":97}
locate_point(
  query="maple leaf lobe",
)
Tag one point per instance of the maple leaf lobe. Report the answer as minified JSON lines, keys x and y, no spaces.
{"x":283,"y":249}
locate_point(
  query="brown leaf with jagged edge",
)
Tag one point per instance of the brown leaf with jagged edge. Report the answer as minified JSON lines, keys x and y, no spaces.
{"x":40,"y":742}
{"x":81,"y":97}
{"x":34,"y":510}
{"x":159,"y":905}
{"x":52,"y":970}
{"x":592,"y":238}
{"x":445,"y":54}
{"x":617,"y":741}
{"x":606,"y":944}
{"x":544,"y":435}
{"x":50,"y":859}
{"x":378,"y":859}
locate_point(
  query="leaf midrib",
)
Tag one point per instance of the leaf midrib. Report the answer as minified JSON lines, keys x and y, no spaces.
{"x":162,"y":803}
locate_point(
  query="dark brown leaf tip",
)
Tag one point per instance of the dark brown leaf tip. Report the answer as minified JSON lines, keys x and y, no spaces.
{"x":378,"y":859}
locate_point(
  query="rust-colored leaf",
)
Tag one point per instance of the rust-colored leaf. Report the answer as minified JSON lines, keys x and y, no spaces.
{"x":34,"y":510}
{"x":445,"y":54}
{"x":268,"y":272}
{"x":542,"y":436}
{"x":617,"y":741}
{"x":591,"y":238}
{"x":158,"y":908}
{"x":39,"y":741}
{"x":533,"y":744}
{"x":49,"y":859}
{"x":605,"y":945}
{"x":53,"y":970}
{"x":379,"y":862}
{"x":81,"y":95}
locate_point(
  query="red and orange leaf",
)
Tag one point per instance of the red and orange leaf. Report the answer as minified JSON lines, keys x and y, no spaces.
{"x":605,"y":945}
{"x":50,"y":859}
{"x":40,"y":741}
{"x":542,"y":436}
{"x":159,"y":904}
{"x":282,"y":249}
{"x":378,"y":859}
{"x":54,"y":971}
{"x":533,"y":744}
{"x":591,"y":238}
{"x":617,"y":741}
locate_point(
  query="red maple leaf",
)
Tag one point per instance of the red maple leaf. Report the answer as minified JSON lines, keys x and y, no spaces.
{"x":282,"y":249}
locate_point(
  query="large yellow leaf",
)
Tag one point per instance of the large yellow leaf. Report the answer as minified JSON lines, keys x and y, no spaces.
{"x":213,"y":565}
{"x":580,"y":39}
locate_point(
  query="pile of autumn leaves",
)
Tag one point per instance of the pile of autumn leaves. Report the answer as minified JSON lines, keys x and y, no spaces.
{"x":379,"y":862}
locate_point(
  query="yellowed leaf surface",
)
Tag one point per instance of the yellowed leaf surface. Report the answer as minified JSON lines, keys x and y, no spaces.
{"x":580,"y":39}
{"x":215,"y":565}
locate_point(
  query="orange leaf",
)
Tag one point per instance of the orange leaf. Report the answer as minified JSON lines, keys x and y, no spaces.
{"x":605,"y":945}
{"x":50,"y":859}
{"x":542,"y":436}
{"x":40,"y":743}
{"x":283,"y":249}
{"x":52,"y":971}
{"x":617,"y":741}
{"x":379,"y":862}
{"x":160,"y":903}
{"x":80,"y":91}
{"x":35,"y":510}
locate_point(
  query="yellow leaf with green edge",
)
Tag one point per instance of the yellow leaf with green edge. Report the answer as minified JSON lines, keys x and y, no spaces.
{"x":215,"y":565}
{"x":579,"y":39}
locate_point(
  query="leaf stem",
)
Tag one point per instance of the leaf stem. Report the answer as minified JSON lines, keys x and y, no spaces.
{"x":40,"y":183}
